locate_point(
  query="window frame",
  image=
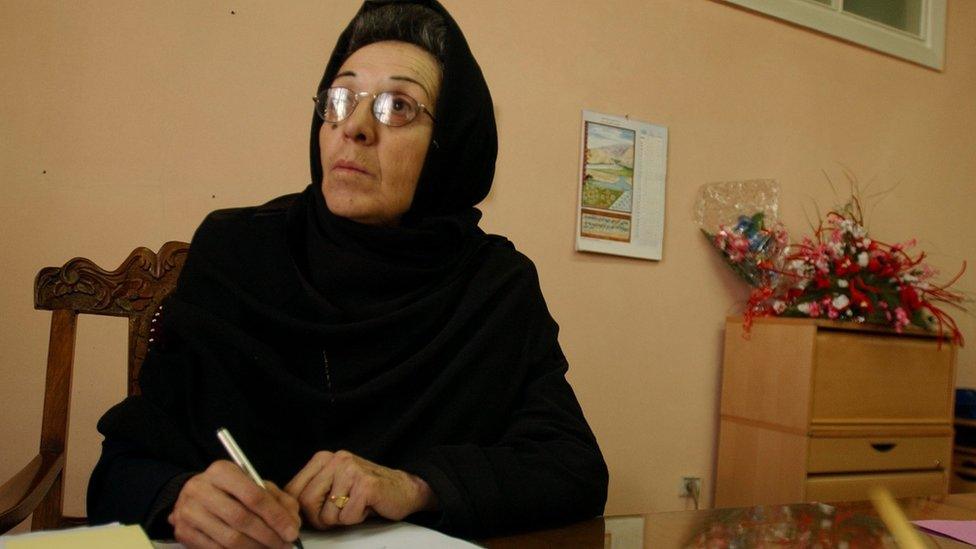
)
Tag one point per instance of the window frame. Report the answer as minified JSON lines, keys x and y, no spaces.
{"x":926,"y":49}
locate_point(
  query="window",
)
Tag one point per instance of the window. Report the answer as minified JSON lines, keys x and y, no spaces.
{"x":910,"y":29}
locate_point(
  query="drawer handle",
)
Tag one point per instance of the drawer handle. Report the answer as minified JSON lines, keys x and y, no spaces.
{"x":967,"y":478}
{"x":883,"y":446}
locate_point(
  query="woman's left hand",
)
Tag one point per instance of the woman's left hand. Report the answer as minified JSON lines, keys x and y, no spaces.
{"x":342,"y":488}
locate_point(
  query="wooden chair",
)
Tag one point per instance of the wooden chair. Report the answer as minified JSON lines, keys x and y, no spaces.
{"x":134,"y":290}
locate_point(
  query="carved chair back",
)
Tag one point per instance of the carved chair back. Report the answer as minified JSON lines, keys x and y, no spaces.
{"x":133,"y":290}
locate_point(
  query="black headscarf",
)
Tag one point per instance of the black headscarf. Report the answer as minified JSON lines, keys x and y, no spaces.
{"x":459,"y":169}
{"x":368,"y":271}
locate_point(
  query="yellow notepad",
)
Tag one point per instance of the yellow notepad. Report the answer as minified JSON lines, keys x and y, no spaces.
{"x":112,"y":536}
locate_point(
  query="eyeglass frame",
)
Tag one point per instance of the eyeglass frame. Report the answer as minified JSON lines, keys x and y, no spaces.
{"x":357,"y":96}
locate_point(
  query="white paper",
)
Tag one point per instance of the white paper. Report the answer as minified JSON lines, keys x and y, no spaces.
{"x":384,"y":535}
{"x":372,"y":535}
{"x":620,"y":205}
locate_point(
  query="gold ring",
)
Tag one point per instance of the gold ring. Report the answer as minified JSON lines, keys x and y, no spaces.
{"x":339,"y":501}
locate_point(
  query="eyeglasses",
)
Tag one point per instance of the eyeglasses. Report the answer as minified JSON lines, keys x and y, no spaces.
{"x":389,"y":108}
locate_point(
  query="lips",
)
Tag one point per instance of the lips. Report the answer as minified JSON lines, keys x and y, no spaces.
{"x":349,"y":166}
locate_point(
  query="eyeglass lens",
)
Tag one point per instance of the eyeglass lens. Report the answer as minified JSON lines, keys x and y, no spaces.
{"x":390,"y":108}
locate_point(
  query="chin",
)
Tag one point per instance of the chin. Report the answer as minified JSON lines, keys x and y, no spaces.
{"x":343,"y":207}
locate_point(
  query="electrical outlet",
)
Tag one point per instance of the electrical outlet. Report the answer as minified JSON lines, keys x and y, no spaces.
{"x":690,"y":487}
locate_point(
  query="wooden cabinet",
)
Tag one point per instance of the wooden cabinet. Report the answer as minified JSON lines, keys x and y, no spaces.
{"x":821,"y":411}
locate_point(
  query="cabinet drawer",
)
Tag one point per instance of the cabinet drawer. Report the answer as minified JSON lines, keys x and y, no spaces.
{"x":855,"y":487}
{"x":837,"y":455}
{"x":875,"y":378}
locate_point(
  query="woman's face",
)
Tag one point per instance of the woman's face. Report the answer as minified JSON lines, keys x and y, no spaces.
{"x":370,"y":170}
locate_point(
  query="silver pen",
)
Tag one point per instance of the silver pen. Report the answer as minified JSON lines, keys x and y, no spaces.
{"x":236,"y":454}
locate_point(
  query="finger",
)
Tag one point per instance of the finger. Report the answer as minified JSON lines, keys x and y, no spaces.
{"x":189,"y":518}
{"x":261,"y":516}
{"x":196,"y":516}
{"x":356,"y":509}
{"x":243,"y":519}
{"x":341,"y":485}
{"x":349,"y":468}
{"x":314,"y":498}
{"x":191,"y":538}
{"x":287,"y":501}
{"x":298,"y":484}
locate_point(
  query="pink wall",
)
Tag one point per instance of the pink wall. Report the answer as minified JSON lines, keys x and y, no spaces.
{"x":148,"y":115}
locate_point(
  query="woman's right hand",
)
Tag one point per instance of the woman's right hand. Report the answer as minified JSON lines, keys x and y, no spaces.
{"x":223,"y":507}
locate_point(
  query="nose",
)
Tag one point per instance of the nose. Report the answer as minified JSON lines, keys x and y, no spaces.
{"x":361,"y":125}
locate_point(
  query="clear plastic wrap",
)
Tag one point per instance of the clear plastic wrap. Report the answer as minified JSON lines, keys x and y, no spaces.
{"x":740,"y":219}
{"x":723,"y":203}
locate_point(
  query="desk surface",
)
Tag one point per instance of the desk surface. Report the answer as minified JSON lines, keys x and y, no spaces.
{"x":796,"y":525}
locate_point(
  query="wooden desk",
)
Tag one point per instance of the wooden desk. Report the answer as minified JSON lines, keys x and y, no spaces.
{"x":766,"y":526}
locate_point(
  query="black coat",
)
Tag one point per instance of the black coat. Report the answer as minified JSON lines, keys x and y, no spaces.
{"x":478,"y":406}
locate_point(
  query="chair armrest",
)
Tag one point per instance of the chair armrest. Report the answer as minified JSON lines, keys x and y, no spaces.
{"x":20,"y":495}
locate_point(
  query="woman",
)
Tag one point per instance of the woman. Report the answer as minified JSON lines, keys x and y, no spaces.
{"x":371,"y":349}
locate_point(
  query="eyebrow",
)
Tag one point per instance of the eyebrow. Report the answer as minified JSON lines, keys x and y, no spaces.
{"x":395,"y":77}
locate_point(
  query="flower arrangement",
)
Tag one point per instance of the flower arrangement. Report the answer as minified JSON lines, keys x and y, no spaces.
{"x":839,"y":273}
{"x":751,"y":248}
